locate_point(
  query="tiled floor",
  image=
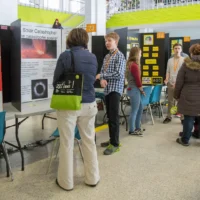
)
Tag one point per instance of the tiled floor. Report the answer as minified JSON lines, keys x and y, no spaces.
{"x":30,"y":132}
{"x":154,"y":167}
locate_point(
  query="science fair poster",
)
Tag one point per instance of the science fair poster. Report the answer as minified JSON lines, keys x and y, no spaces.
{"x":40,"y":49}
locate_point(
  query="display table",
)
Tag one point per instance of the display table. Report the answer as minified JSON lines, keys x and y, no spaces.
{"x":10,"y":111}
{"x":28,"y":110}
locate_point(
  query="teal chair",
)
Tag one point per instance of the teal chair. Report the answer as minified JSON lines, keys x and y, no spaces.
{"x":155,"y":99}
{"x":146,"y":100}
{"x":56,"y":135}
{"x":2,"y":144}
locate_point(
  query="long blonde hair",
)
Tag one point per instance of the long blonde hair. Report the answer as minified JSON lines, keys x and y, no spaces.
{"x":133,"y":57}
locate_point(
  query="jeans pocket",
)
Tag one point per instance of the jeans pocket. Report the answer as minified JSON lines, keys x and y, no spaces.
{"x":129,"y":93}
{"x":134,"y":91}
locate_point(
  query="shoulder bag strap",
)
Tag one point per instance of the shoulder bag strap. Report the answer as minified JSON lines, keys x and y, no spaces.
{"x":72,"y":62}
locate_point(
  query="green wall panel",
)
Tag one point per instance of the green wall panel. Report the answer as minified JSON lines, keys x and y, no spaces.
{"x":41,"y":16}
{"x":162,"y":15}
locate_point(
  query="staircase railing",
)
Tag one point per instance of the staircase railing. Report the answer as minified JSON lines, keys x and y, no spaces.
{"x":80,"y":12}
{"x":120,"y":6}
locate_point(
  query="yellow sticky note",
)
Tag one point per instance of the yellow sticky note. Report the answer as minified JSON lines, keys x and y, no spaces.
{"x":145,"y":55}
{"x":145,"y":73}
{"x":160,"y":35}
{"x":157,"y":80}
{"x":145,"y":48}
{"x":146,"y":80}
{"x":155,"y":73}
{"x":151,"y":61}
{"x":155,"y":67}
{"x":154,"y":55}
{"x":145,"y":67}
{"x":155,"y":48}
{"x":186,"y":39}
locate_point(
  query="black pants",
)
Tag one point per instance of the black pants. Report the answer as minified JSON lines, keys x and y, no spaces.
{"x":112,"y":107}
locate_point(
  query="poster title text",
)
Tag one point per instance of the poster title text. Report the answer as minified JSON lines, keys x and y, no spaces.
{"x":38,"y":34}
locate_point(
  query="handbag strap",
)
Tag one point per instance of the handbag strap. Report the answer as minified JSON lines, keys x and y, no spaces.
{"x":72,"y":61}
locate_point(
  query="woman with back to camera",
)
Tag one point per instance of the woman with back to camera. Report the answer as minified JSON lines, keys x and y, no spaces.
{"x":187,"y":92}
{"x":86,"y":64}
{"x":134,"y":91}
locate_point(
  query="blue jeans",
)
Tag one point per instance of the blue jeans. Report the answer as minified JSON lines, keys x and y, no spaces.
{"x":136,"y":109}
{"x":188,"y":124}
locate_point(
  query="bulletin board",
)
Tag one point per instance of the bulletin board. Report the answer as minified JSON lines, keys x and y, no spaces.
{"x":153,"y":60}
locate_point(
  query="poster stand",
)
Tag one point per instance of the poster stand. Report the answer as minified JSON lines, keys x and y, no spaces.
{"x":122,"y":45}
{"x":133,"y":40}
{"x":194,"y":41}
{"x":15,"y":68}
{"x":1,"y":92}
{"x":34,"y":55}
{"x":100,"y":51}
{"x":153,"y":61}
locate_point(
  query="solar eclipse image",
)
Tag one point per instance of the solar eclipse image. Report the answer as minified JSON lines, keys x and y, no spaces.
{"x":39,"y":88}
{"x":40,"y":49}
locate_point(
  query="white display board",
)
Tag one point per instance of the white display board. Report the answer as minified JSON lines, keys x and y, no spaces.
{"x":65,"y":33}
{"x":40,"y":49}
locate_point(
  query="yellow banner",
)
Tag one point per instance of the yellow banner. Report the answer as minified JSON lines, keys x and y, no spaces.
{"x":150,"y":61}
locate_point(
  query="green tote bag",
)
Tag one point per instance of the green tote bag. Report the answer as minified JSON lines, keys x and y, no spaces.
{"x":67,"y":94}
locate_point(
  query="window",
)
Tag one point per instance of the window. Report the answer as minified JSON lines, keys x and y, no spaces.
{"x":53,"y":4}
{"x":75,"y":6}
{"x":26,"y":2}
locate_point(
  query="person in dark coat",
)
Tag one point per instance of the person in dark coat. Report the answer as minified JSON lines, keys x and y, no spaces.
{"x":187,"y":92}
